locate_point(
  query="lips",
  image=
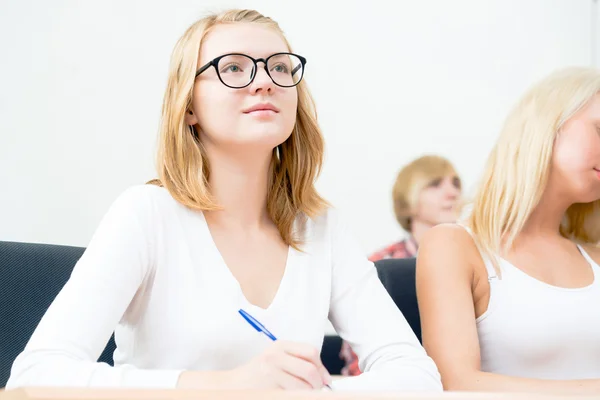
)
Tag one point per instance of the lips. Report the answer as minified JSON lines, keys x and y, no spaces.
{"x":261,"y":107}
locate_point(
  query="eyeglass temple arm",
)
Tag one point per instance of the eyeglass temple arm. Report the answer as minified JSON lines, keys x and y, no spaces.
{"x":204,"y":68}
{"x":296,"y":69}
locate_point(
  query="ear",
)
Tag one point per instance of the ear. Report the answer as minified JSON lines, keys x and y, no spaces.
{"x":190,"y":118}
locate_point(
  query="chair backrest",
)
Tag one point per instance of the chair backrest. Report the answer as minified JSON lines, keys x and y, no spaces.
{"x":398,"y":277}
{"x":31,"y":275}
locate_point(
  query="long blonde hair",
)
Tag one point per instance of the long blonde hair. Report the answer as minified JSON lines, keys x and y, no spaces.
{"x":517,"y":170}
{"x":183,"y":167}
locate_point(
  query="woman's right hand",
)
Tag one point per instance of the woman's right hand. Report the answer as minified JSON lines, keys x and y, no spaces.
{"x":284,"y":365}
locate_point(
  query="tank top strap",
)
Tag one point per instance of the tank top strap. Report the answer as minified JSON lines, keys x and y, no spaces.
{"x":489,"y":265}
{"x":593,"y":264}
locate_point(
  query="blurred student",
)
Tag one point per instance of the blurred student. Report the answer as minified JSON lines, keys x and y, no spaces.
{"x":427,"y":192}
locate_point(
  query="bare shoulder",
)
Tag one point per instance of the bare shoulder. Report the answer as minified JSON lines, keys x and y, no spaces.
{"x":447,"y":231}
{"x":449,"y":238}
{"x":449,"y":247}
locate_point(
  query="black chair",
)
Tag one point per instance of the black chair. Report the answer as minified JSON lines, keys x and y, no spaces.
{"x":330,"y":354}
{"x":398,"y":277}
{"x":31,"y":275}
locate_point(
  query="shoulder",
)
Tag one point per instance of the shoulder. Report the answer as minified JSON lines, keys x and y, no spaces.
{"x":448,"y":247}
{"x":330,"y":228}
{"x":327,"y":221}
{"x":145,"y":193}
{"x":448,"y":235}
{"x":333,"y":224}
{"x":143,"y":201}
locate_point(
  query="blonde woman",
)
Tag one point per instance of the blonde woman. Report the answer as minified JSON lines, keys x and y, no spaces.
{"x":235,"y":224}
{"x":510,"y":302}
{"x":426,"y":193}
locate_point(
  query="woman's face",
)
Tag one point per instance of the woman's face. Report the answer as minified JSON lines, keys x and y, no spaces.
{"x":438,"y":202}
{"x":259,"y":116}
{"x":576,"y":155}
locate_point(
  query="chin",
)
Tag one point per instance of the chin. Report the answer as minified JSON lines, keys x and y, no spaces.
{"x":447,"y":219}
{"x":590,"y":198}
{"x":271,"y":136}
{"x":587,"y":194}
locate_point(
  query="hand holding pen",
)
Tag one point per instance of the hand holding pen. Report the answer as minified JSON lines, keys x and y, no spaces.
{"x":285,"y":365}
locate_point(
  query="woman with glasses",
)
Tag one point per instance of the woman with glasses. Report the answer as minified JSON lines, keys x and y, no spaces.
{"x":223,"y":272}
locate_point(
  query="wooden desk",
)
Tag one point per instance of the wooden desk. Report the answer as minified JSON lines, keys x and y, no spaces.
{"x":134,"y":394}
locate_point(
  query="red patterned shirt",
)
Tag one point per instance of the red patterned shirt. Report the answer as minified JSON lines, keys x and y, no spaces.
{"x":404,"y":249}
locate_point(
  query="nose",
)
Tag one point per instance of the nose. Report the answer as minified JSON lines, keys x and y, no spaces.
{"x":450,"y":190}
{"x":262,"y":81}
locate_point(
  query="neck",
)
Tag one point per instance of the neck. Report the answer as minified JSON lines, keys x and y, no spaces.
{"x":239,"y":183}
{"x":418,"y":229}
{"x":546,"y":217}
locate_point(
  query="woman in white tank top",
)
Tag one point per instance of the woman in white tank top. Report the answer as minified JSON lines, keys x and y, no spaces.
{"x":511,"y":300}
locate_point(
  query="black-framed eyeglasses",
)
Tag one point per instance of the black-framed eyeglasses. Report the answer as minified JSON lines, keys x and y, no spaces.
{"x":236,"y":70}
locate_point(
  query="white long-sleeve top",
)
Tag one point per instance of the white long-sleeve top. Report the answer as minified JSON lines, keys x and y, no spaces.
{"x":153,"y":275}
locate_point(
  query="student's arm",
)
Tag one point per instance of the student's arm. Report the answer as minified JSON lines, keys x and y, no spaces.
{"x":114,"y":268}
{"x":363,"y":313}
{"x":446,"y":263}
{"x":75,"y":329}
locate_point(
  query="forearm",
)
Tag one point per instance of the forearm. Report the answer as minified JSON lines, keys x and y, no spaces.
{"x":43,"y":369}
{"x":406,"y":378}
{"x":489,"y":382}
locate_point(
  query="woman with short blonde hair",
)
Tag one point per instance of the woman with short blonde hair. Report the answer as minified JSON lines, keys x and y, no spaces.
{"x":515,"y":291}
{"x":427,"y":192}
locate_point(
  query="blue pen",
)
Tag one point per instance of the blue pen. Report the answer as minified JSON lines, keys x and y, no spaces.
{"x":257,"y":325}
{"x":261,"y":328}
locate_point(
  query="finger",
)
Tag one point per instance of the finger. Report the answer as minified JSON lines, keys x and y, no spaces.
{"x":289,"y":382}
{"x":304,"y":351}
{"x":325,"y":375}
{"x":301,"y":369}
{"x":310,"y":354}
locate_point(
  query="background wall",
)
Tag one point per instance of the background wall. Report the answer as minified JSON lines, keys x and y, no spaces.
{"x":81,"y":84}
{"x":595,"y":33}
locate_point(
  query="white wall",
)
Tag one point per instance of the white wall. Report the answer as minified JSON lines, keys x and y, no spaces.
{"x":81,"y":84}
{"x":595,"y":23}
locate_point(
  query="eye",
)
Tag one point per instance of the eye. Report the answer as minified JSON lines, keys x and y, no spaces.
{"x":281,"y":68}
{"x":231,"y":68}
{"x":435,"y":183}
{"x":456,"y":182}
